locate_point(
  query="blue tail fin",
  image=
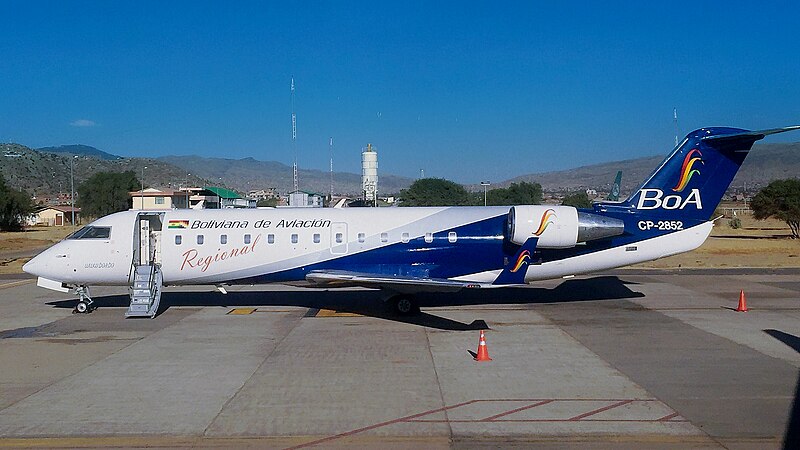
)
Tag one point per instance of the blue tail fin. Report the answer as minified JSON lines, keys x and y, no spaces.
{"x":691,"y":181}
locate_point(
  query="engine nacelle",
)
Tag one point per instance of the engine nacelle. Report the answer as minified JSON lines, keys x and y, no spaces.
{"x":555,"y":226}
{"x":559,"y":226}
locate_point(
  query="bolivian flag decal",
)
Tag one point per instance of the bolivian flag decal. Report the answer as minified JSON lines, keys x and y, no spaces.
{"x":178,"y":224}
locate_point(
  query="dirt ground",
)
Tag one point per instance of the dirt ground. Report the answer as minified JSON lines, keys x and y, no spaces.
{"x":757,"y":243}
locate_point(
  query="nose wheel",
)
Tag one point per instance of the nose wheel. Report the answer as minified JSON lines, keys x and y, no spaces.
{"x":84,"y":305}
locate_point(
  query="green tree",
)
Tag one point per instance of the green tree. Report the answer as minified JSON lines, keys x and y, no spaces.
{"x":781,"y":200}
{"x":523,"y":193}
{"x":15,"y":206}
{"x":577,"y":199}
{"x":267,"y":202}
{"x":106,"y":192}
{"x":435,"y":192}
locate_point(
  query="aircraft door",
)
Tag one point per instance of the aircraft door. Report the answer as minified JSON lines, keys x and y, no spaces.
{"x":339,"y":238}
{"x":144,"y":241}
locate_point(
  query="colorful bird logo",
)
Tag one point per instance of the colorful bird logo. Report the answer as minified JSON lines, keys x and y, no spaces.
{"x":523,"y":260}
{"x":547,"y":219}
{"x":688,"y":170}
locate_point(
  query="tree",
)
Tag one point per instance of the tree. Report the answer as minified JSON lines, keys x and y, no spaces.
{"x":106,"y":192}
{"x":435,"y":192}
{"x":267,"y":202}
{"x":781,"y":200}
{"x":578,"y":199}
{"x":523,"y":193}
{"x":15,"y":206}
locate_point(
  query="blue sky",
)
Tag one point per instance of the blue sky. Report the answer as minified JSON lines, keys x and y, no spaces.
{"x":464,"y":90}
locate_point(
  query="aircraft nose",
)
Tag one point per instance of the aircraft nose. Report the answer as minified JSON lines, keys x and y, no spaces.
{"x":33,"y":267}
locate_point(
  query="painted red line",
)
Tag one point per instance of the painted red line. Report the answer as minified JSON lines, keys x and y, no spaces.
{"x":541,"y":420}
{"x":668,"y":417}
{"x":378,"y":425}
{"x":599,"y":410}
{"x":490,"y":418}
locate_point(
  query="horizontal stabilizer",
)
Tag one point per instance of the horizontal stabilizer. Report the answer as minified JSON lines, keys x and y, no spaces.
{"x":754,"y":135}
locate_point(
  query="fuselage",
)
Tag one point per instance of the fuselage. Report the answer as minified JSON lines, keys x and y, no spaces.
{"x":234,"y":246}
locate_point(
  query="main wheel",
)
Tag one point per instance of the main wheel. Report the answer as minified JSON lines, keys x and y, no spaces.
{"x":404,"y":305}
{"x":82,"y":307}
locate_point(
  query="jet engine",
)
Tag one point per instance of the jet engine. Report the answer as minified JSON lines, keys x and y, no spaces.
{"x":559,"y":226}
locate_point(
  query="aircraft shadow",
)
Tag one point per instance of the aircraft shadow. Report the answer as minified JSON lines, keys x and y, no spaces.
{"x":791,"y":439}
{"x":370,"y":302}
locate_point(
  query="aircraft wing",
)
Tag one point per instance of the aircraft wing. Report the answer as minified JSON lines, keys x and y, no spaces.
{"x":339,"y":278}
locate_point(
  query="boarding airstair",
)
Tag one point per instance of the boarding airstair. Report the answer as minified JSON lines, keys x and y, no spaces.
{"x":146,"y":279}
{"x":145,"y":291}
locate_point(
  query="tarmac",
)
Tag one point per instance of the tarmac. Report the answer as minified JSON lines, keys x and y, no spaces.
{"x":626,"y":359}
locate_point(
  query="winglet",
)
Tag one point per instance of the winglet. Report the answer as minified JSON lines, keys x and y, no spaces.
{"x":514,"y":272}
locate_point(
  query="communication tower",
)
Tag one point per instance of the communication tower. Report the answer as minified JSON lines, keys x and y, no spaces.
{"x":294,"y":143}
{"x":330,"y":148}
{"x":369,"y":174}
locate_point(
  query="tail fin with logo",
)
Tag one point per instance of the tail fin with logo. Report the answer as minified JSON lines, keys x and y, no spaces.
{"x":691,"y":181}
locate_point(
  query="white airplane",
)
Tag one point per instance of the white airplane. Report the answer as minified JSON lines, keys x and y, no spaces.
{"x":401,"y":250}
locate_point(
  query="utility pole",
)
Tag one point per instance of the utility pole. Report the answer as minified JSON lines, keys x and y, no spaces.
{"x":72,"y":188}
{"x":485,"y":185}
{"x":141,"y":193}
{"x":330,"y":148}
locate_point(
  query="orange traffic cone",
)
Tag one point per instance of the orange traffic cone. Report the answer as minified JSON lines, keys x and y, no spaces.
{"x":742,"y":303}
{"x":483,"y":352}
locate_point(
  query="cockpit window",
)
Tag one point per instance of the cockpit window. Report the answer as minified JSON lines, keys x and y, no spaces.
{"x":91,"y":233}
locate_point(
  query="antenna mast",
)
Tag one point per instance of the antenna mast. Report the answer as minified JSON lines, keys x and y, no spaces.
{"x":294,"y":142}
{"x":330,"y":147}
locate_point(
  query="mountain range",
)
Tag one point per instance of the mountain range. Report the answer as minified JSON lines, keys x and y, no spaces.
{"x":47,"y":171}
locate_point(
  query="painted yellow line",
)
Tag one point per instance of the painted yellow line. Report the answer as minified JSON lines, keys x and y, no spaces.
{"x":15,"y":283}
{"x":242,"y":311}
{"x":332,"y":313}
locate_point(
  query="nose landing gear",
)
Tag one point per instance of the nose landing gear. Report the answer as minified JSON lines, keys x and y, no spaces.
{"x":84,"y":305}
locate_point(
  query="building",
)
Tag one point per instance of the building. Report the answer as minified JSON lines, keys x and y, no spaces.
{"x":303,"y":199}
{"x":55,"y":216}
{"x":263,"y":194}
{"x":230,"y":199}
{"x":158,"y":199}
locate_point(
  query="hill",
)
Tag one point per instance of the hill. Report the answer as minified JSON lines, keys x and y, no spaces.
{"x":40,"y":172}
{"x":248,"y":173}
{"x":765,"y":163}
{"x":79,"y":149}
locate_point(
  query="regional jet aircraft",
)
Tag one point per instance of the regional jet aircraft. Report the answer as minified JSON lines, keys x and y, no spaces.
{"x":401,"y":250}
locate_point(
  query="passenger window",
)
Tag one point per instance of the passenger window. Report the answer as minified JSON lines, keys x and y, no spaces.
{"x":362,"y":237}
{"x":270,"y":239}
{"x":199,"y":239}
{"x":223,"y":239}
{"x":178,"y":239}
{"x":294,"y":239}
{"x":428,"y":237}
{"x":246,"y":238}
{"x":384,"y":237}
{"x":339,"y":238}
{"x":404,"y":237}
{"x":316,"y":238}
{"x":452,"y":237}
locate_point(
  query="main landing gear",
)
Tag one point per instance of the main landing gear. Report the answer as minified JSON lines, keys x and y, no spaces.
{"x":84,"y":305}
{"x":403,"y":305}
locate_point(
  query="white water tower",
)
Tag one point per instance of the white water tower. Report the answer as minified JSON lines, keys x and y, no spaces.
{"x":369,"y":174}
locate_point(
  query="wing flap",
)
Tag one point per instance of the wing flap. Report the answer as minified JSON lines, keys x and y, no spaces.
{"x":338,"y":278}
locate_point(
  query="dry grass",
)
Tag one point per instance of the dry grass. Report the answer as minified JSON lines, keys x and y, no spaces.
{"x":764,"y":243}
{"x":11,"y":244}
